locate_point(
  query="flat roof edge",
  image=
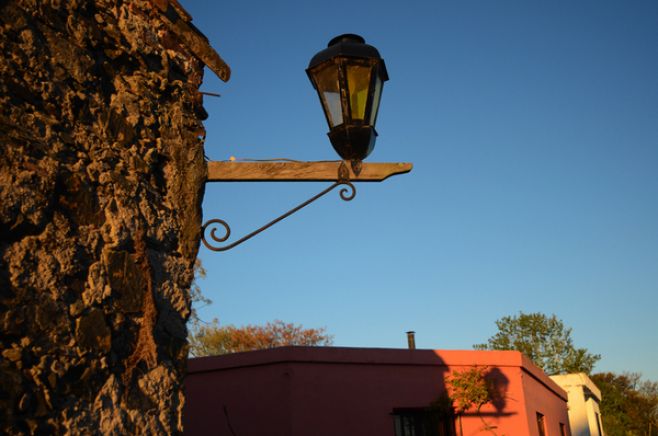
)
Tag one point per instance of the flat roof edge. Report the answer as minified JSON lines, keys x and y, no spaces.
{"x":372,"y":356}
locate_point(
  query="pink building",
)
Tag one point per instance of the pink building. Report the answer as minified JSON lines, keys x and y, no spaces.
{"x":317,"y":391}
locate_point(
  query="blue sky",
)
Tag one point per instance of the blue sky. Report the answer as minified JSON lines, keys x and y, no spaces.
{"x":533,"y":129}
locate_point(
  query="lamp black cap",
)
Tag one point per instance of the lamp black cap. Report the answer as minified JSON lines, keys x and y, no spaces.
{"x":347,"y":37}
{"x":350,"y":45}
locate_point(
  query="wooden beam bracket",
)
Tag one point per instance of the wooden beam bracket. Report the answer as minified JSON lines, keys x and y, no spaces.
{"x":338,"y":172}
{"x":293,"y":171}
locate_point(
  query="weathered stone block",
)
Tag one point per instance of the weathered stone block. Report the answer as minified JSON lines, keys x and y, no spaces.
{"x":101,"y":182}
{"x":92,"y":332}
{"x":126,"y":281}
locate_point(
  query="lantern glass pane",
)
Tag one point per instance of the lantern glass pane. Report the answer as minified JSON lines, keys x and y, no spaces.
{"x":375,"y":100}
{"x":327,"y":85}
{"x":358,"y":82}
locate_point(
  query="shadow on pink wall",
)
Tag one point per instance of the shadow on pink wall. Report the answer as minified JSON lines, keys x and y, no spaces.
{"x":365,"y":391}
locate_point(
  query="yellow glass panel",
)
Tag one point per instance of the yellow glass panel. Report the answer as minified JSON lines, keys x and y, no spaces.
{"x":327,"y":85}
{"x":358,"y":81}
{"x":375,"y":100}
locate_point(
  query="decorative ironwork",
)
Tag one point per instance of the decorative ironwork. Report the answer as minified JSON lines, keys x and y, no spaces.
{"x":345,"y":194}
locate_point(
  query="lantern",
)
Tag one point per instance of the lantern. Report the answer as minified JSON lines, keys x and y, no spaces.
{"x":349,"y":76}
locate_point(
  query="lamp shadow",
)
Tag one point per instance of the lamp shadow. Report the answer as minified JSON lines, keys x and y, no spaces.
{"x":325,"y":390}
{"x":498,"y":385}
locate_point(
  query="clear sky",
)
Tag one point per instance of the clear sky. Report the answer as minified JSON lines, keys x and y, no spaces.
{"x":533,"y":129}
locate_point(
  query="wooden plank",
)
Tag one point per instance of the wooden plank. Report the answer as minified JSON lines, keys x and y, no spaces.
{"x":178,"y":21}
{"x":300,"y":171}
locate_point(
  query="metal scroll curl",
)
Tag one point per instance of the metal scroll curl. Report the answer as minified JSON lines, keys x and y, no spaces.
{"x":347,"y":193}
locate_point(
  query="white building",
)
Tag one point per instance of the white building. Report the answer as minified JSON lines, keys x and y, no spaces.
{"x":584,"y":399}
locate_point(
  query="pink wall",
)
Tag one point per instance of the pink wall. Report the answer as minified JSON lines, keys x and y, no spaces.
{"x":534,"y":383}
{"x":328,"y":391}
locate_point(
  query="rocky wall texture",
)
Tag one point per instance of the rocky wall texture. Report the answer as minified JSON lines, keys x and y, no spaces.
{"x":101,"y":181}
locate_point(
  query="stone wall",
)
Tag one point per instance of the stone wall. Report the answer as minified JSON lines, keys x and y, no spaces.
{"x":101,"y":180}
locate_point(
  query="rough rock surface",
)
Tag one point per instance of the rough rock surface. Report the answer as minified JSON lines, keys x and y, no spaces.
{"x":101,"y":181}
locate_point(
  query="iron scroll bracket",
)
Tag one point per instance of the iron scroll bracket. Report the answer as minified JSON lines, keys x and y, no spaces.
{"x":347,"y":193}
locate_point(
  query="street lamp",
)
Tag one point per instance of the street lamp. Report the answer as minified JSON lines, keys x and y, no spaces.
{"x":349,"y":76}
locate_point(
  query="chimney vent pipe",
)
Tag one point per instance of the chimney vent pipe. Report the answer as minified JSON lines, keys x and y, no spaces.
{"x":411,"y":340}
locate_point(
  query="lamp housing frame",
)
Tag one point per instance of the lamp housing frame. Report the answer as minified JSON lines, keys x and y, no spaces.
{"x":352,"y":136}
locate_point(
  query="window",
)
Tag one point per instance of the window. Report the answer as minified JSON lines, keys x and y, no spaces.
{"x":423,"y":422}
{"x":563,"y":429}
{"x":541,"y":425}
{"x":598,"y":423}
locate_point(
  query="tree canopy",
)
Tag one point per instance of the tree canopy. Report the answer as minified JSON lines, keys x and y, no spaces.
{"x":544,"y":339}
{"x":197,"y":297}
{"x":629,"y":406}
{"x":469,"y":388}
{"x":213,"y":339}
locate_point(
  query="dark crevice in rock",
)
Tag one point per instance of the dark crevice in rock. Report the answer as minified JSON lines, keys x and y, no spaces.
{"x":101,"y":181}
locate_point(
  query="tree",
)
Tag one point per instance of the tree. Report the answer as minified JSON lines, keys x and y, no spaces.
{"x":629,"y":406}
{"x":545,"y":340}
{"x":471,"y":389}
{"x":196,"y":295}
{"x":211,"y":340}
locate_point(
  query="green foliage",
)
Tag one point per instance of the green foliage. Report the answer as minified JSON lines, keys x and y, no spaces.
{"x":545,"y":340}
{"x":469,"y":388}
{"x":629,"y":406}
{"x":472,"y":389}
{"x":212,"y":340}
{"x":197,"y":297}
